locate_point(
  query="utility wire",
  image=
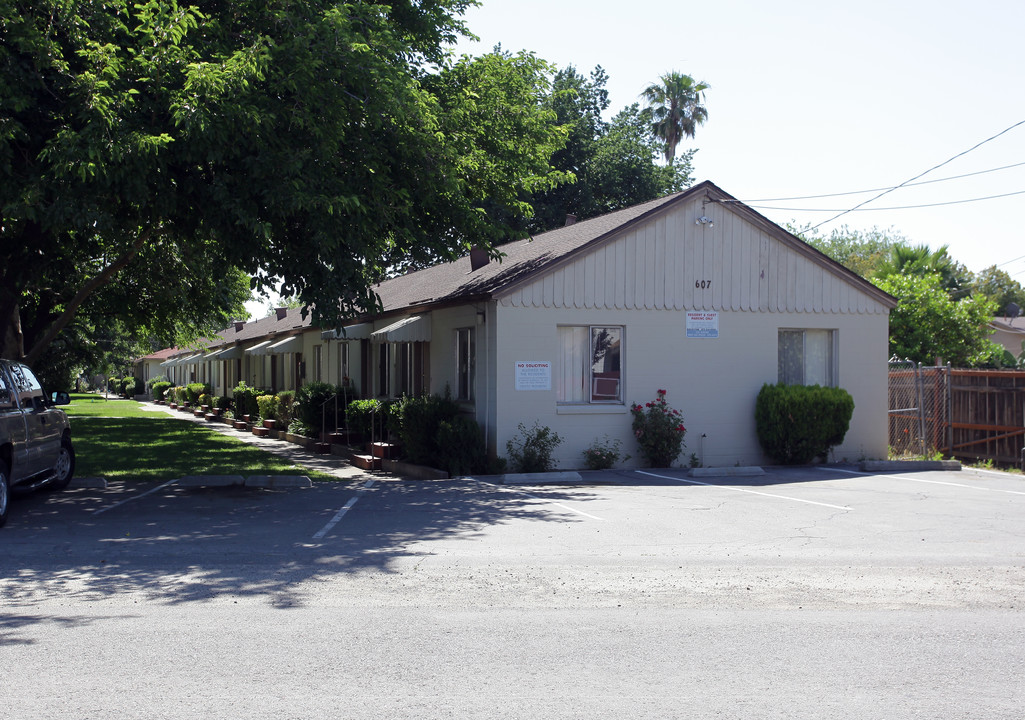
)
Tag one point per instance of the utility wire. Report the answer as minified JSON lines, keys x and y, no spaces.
{"x":916,"y":177}
{"x":860,"y":209}
{"x":862,"y":192}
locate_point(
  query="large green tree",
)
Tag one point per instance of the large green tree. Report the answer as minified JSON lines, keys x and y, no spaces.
{"x":605,"y":165}
{"x":675,"y":108}
{"x":998,"y":285}
{"x":928,"y":324}
{"x":861,"y":251}
{"x":317,"y":144}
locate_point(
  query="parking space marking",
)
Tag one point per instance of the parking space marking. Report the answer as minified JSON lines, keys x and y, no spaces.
{"x":931,"y":482}
{"x":744,"y":490}
{"x":542,"y":499}
{"x":341,"y":513}
{"x":135,"y":497}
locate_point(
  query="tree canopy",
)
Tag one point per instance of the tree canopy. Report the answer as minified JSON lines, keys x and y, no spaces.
{"x":315,"y":144}
{"x":675,"y":109}
{"x":605,"y":165}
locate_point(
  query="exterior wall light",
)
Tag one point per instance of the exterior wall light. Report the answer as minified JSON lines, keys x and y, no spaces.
{"x":706,"y":221}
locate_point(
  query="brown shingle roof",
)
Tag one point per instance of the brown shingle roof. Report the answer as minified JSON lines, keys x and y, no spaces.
{"x":454,"y":280}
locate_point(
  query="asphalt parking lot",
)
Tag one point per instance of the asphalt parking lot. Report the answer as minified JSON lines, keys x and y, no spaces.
{"x":810,"y":521}
{"x":803,"y":593}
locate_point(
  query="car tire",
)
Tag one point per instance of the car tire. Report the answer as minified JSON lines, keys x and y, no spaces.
{"x":65,"y":467}
{"x":5,"y":493}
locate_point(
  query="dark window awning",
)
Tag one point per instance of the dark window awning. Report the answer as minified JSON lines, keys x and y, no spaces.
{"x":411,"y":329}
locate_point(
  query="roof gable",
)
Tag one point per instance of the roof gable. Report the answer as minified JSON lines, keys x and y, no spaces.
{"x":653,"y":255}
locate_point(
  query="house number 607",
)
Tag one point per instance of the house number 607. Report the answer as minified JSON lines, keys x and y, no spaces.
{"x":702,"y":284}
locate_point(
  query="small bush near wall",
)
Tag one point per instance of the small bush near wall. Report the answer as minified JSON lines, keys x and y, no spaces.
{"x":461,"y":448}
{"x":286,"y":399}
{"x":159,"y":388}
{"x":798,"y":423}
{"x":659,"y":431}
{"x":603,"y":454}
{"x":531,"y":450}
{"x":245,"y":400}
{"x":309,"y":406}
{"x":195,"y":390}
{"x":416,"y":420}
{"x":268,"y":405}
{"x":363,"y":414}
{"x":206,"y":399}
{"x":222,"y":402}
{"x":128,"y":387}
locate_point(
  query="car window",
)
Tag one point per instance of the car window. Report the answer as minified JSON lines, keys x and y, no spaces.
{"x":6,"y":398}
{"x":30,"y":392}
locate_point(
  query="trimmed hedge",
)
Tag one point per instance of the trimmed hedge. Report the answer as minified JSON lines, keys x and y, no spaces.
{"x":798,"y":423}
{"x":159,"y":388}
{"x":245,"y":400}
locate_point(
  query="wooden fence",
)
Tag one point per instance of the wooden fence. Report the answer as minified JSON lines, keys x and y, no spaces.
{"x":966,"y":414}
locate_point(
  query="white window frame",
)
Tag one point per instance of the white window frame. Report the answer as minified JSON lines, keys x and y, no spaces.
{"x":465,"y":348}
{"x":825,"y":341}
{"x":590,"y":385}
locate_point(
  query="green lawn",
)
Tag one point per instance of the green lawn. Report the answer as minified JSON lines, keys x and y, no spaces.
{"x":121,"y":440}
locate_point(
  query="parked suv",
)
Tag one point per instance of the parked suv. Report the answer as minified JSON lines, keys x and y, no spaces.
{"x":35,"y":436}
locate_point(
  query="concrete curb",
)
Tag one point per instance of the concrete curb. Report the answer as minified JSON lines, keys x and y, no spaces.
{"x":746,"y":471}
{"x":908,"y":465}
{"x":550,"y":478}
{"x":192,"y":481}
{"x":278,"y":481}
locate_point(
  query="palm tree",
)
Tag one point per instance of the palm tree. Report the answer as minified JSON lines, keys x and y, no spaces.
{"x":675,"y":109}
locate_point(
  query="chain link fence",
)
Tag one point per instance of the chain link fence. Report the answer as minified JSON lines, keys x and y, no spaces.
{"x":919,"y":415}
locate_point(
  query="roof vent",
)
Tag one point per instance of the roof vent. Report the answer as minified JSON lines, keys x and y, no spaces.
{"x":239,"y":324}
{"x":570,"y":219}
{"x":478,"y":258}
{"x":281,"y":312}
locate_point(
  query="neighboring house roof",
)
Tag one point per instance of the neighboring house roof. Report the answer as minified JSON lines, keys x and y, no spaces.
{"x":524,"y":260}
{"x":1009,"y":332}
{"x":160,"y":354}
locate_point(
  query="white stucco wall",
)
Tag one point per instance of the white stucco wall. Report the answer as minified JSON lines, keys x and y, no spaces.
{"x":713,"y":382}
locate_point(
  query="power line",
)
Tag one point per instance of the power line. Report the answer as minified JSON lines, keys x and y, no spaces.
{"x":879,"y":209}
{"x":907,"y":184}
{"x":916,"y":177}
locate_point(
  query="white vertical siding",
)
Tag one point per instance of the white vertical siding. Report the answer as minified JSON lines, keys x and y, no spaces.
{"x":662,"y":264}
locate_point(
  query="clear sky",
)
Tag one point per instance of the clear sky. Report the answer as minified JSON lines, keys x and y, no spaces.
{"x":812,"y":97}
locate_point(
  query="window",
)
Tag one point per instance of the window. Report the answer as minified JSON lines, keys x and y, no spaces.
{"x":343,"y":363}
{"x":466,"y":359}
{"x":807,"y":357}
{"x":590,"y":365}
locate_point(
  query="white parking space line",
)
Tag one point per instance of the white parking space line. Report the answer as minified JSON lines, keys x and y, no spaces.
{"x":542,"y":499}
{"x":135,"y":497}
{"x":341,"y":513}
{"x":931,"y":482}
{"x":745,"y":490}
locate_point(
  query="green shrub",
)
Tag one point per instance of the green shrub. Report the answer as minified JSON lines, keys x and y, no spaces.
{"x":159,"y":388}
{"x":798,"y":423}
{"x":416,"y":421}
{"x":286,"y":399}
{"x":222,"y":402}
{"x":460,"y":447}
{"x":181,"y":395}
{"x":114,"y":385}
{"x":194,"y":390}
{"x":268,"y":405}
{"x":531,"y":450}
{"x":153,"y":381}
{"x":310,"y":408}
{"x":206,"y":399}
{"x":603,"y":454}
{"x":128,"y":387}
{"x":659,"y":431}
{"x":363,"y":414}
{"x":245,"y":400}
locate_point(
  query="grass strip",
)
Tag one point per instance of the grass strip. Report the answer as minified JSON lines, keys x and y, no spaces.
{"x":122,"y":441}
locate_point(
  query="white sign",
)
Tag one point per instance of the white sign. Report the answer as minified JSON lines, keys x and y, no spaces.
{"x":702,"y":324}
{"x":533,"y":375}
